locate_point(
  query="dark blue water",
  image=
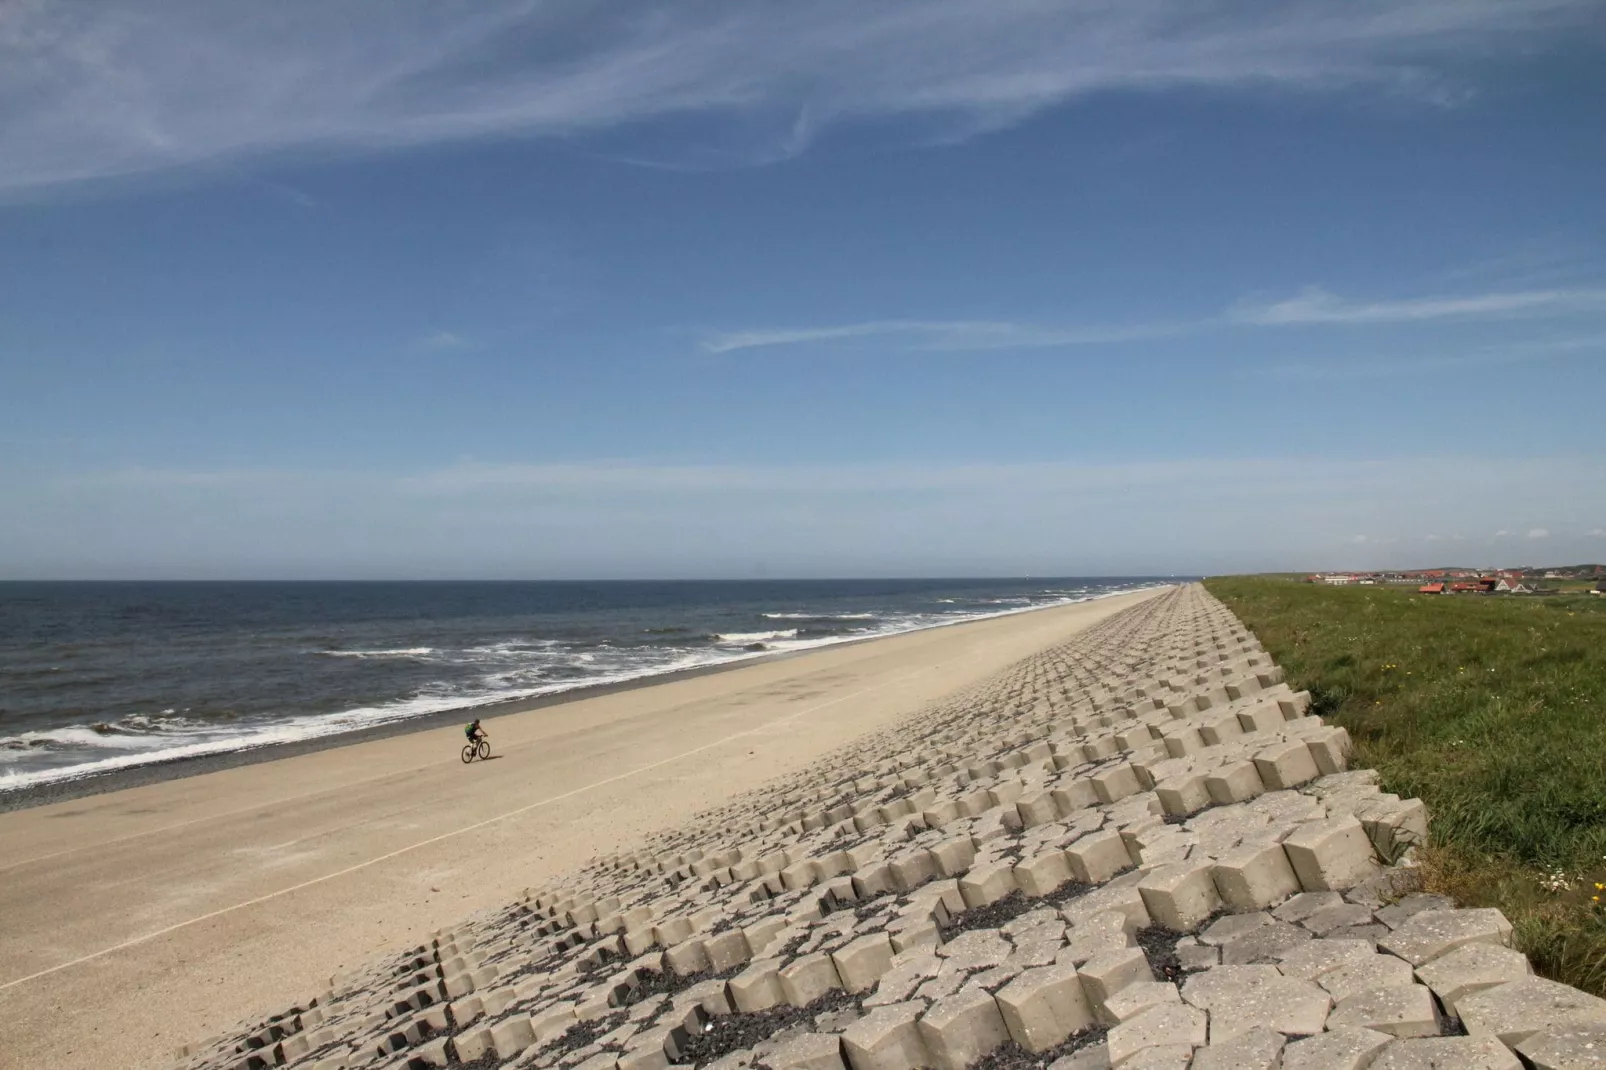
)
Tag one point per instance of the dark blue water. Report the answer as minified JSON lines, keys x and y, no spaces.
{"x":95,"y":676}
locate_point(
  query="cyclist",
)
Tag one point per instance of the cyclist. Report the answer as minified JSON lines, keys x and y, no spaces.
{"x":473,"y":731}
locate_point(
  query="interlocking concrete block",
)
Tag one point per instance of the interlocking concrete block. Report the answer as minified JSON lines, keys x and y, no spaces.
{"x":1036,"y":809}
{"x":1306,"y":904}
{"x":961,"y":1028}
{"x":1096,"y":858}
{"x":471,"y":1044}
{"x":1182,"y":740}
{"x":1180,"y":897}
{"x":1220,"y":729}
{"x":1105,"y":975}
{"x":1516,"y":1010}
{"x":1134,"y":999}
{"x":758,"y":987}
{"x":1044,"y":1006}
{"x":1433,"y":934}
{"x":807,"y":1051}
{"x":1263,"y":718}
{"x":1331,"y":854}
{"x":1394,"y":824}
{"x":907,"y":972}
{"x":1258,"y":1049}
{"x":1004,"y":793}
{"x":645,"y":1051}
{"x":940,"y":892}
{"x":912,"y":869}
{"x":1336,"y":1049}
{"x":1402,"y":1011}
{"x":761,"y":933}
{"x":637,"y":941}
{"x":1234,"y":782}
{"x":1286,"y":765}
{"x":726,"y":950}
{"x":1343,"y":916}
{"x":1096,"y":935}
{"x":872,"y":880}
{"x":1074,"y":796}
{"x":1120,"y":894}
{"x":1182,"y":794}
{"x":1168,"y":1025}
{"x":671,"y":931}
{"x":1329,"y":747}
{"x":987,"y":882}
{"x":1195,"y":957}
{"x":1241,"y":998}
{"x":512,"y":1035}
{"x":555,"y":1019}
{"x":954,"y":855}
{"x":1116,"y":783}
{"x":687,"y":957}
{"x":888,"y":1038}
{"x":603,"y":1060}
{"x":910,"y":932}
{"x":1233,"y":926}
{"x":1472,"y":968}
{"x":1041,"y":873}
{"x":798,"y":875}
{"x":807,"y":978}
{"x":1263,"y":944}
{"x":1375,"y":971}
{"x":1445,"y":1053}
{"x":1161,"y":1057}
{"x":1567,"y":1048}
{"x":1254,"y":876}
{"x":977,"y":949}
{"x":861,"y":963}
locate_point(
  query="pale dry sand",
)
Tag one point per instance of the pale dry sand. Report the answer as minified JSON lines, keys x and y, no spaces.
{"x":134,"y":921}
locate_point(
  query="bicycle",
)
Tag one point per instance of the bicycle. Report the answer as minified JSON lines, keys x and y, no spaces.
{"x":481,"y":750}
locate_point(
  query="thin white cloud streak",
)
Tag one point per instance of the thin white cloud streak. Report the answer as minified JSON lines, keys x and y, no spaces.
{"x":91,"y":91}
{"x":1316,"y":306}
{"x":441,"y":340}
{"x":1304,"y":310}
{"x":945,"y":335}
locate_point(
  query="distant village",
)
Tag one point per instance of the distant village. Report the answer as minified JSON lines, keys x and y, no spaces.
{"x":1515,"y":581}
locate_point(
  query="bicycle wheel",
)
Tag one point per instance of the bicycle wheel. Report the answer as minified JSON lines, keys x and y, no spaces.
{"x":485,"y":749}
{"x":468,"y":753}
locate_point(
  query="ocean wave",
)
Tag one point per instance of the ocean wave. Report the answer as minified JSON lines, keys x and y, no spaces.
{"x":819,"y":616}
{"x":407,"y":652}
{"x":755,"y":637}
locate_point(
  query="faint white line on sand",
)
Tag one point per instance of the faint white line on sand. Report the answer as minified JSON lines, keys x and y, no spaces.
{"x":448,"y":835}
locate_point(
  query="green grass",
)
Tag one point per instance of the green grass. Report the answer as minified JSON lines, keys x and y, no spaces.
{"x":1492,"y":710}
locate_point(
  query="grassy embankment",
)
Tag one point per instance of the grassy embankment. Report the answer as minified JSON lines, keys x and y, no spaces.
{"x":1492,"y":710}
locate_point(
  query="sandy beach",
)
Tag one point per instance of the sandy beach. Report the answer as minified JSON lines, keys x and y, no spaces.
{"x":141,"y":919}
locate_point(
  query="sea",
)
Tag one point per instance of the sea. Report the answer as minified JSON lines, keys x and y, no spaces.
{"x":96,"y":677}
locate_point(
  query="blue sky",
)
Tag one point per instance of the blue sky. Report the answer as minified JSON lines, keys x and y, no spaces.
{"x":507,"y":289}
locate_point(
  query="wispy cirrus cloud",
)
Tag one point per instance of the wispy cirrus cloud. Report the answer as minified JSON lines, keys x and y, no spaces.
{"x":945,"y":335}
{"x":443,"y":340}
{"x":1312,"y":307}
{"x":1315,"y":305}
{"x":90,"y":91}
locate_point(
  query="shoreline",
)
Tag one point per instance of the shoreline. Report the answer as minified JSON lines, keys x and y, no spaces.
{"x":208,"y":897}
{"x":161,"y":770}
